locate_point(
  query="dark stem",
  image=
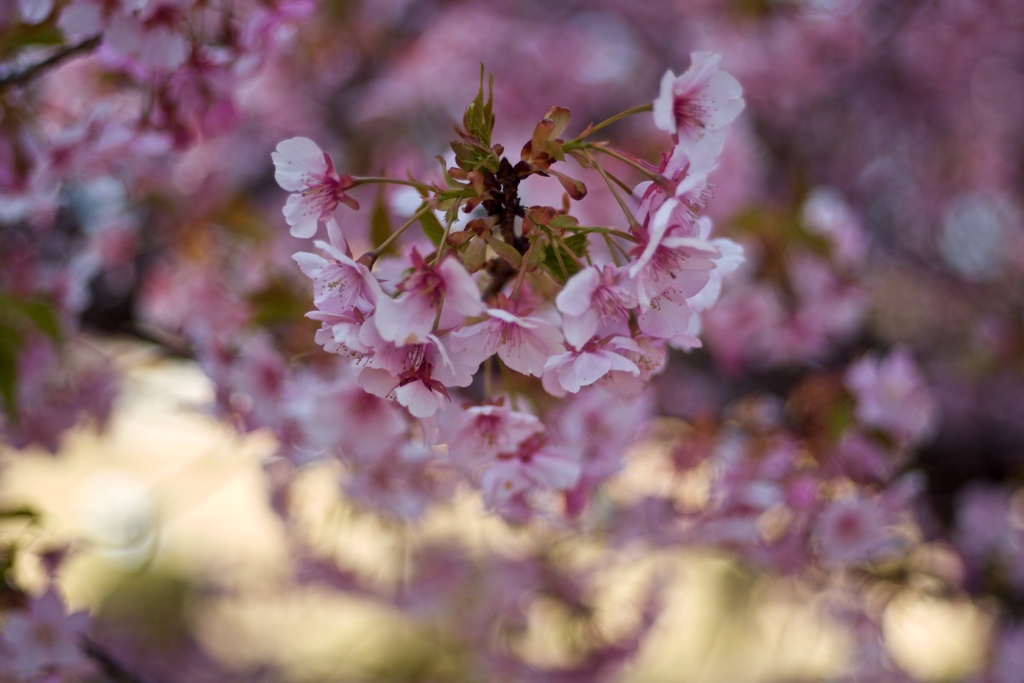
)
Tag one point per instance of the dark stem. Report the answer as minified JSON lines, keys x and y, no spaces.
{"x":503,"y":200}
{"x":108,"y":664}
{"x":503,"y":204}
{"x":33,"y":70}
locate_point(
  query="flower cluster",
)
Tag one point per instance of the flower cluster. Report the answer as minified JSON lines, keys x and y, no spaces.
{"x":522,"y":298}
{"x":871,"y":183}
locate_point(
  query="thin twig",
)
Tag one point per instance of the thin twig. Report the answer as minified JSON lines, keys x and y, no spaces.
{"x":28,"y":73}
{"x":110,"y":666}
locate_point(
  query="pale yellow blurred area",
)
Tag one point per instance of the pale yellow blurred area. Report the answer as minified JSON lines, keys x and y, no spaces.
{"x":169,"y":491}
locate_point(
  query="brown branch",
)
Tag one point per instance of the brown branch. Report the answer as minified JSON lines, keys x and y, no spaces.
{"x":110,"y":666}
{"x":28,"y":73}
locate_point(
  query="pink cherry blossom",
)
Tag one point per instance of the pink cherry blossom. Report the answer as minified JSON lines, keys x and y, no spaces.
{"x":892,"y":396}
{"x":306,"y":171}
{"x":731,"y":257}
{"x":44,"y":642}
{"x":681,"y":177}
{"x":851,"y":531}
{"x":341,"y":334}
{"x":415,"y":375}
{"x":478,"y":434}
{"x":827,"y":214}
{"x":157,"y":37}
{"x":536,"y":463}
{"x":577,"y":368}
{"x":593,"y":301}
{"x":35,"y":11}
{"x":340,"y":285}
{"x":696,"y":106}
{"x":523,"y":344}
{"x":83,"y":18}
{"x":334,"y":412}
{"x":671,"y":257}
{"x":399,"y":483}
{"x":667,"y":316}
{"x":410,"y":317}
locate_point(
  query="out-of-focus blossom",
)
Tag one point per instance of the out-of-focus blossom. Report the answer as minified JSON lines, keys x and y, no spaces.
{"x":892,"y":396}
{"x":851,"y":532}
{"x":44,"y":643}
{"x":35,"y":11}
{"x":535,"y":464}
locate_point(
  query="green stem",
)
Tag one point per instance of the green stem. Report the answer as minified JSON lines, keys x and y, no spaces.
{"x":625,"y":188}
{"x":370,"y":180}
{"x":653,"y":175}
{"x":437,"y":318}
{"x":563,"y":245}
{"x":618,"y":199}
{"x":603,"y":231}
{"x":444,"y":239}
{"x":612,"y":246}
{"x":415,"y":217}
{"x":639,"y":109}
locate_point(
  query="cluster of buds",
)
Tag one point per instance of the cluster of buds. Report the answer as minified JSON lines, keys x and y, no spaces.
{"x":523,"y":297}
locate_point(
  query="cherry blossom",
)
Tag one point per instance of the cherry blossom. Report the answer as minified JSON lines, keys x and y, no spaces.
{"x":851,"y":532}
{"x":671,"y":258}
{"x":43,"y":641}
{"x":577,"y":368}
{"x":778,"y":448}
{"x":480,"y":433}
{"x":306,"y":171}
{"x":535,"y":464}
{"x":35,"y":11}
{"x":523,"y":344}
{"x":891,"y":395}
{"x":410,"y":317}
{"x":592,"y":301}
{"x":341,"y":286}
{"x":696,"y":106}
{"x":415,"y":375}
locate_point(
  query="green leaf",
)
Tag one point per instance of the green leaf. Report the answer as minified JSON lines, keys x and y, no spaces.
{"x":564,"y":221}
{"x":559,"y":117}
{"x":42,"y":316}
{"x":478,"y":120}
{"x":561,"y":265}
{"x":578,"y":243}
{"x":432,"y":227}
{"x":473,"y":255}
{"x":506,"y":251}
{"x":535,"y":258}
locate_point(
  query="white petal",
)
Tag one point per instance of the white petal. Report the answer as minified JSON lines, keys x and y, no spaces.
{"x":302,"y":215}
{"x":295,"y":160}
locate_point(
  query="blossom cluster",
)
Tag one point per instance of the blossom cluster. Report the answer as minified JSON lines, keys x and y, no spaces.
{"x":519,"y":290}
{"x":134,"y":83}
{"x":850,"y":422}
